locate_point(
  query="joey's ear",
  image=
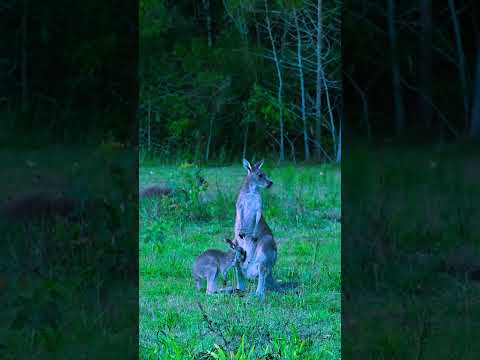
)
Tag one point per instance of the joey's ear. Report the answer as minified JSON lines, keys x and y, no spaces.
{"x":247,"y":165}
{"x":259,"y":164}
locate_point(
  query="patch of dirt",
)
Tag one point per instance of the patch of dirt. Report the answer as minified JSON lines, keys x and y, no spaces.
{"x":26,"y":207}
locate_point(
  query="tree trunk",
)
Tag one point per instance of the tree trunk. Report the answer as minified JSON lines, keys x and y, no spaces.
{"x":330,"y":115}
{"x":363,"y":97}
{"x":257,"y":32}
{"x":399,"y":116}
{"x":24,"y":64}
{"x":292,"y":149}
{"x":318,"y":98}
{"x":302,"y":88}
{"x":210,"y":134}
{"x":475,"y":122}
{"x":219,"y":100}
{"x":280,"y":83}
{"x":461,"y":59}
{"x":425,"y":110}
{"x":208,"y":17}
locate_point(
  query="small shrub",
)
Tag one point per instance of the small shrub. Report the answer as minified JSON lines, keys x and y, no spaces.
{"x":193,"y":207}
{"x":154,"y":232}
{"x":168,"y":347}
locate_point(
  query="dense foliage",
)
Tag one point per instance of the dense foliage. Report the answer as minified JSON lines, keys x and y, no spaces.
{"x":68,"y":71}
{"x":219,"y":80}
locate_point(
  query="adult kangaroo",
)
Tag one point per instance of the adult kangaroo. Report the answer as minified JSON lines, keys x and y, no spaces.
{"x":252,"y":232}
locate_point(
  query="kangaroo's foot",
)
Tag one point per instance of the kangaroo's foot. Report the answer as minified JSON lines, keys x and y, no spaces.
{"x":239,"y":292}
{"x":260,"y":297}
{"x":260,"y":292}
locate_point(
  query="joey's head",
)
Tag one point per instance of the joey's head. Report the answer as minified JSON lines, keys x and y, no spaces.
{"x":247,"y":242}
{"x":240,"y":253}
{"x":256,"y":176}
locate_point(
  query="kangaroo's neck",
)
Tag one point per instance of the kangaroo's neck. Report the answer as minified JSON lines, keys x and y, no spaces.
{"x":249,"y":187}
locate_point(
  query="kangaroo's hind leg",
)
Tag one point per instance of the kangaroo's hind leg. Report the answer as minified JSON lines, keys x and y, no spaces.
{"x":262,"y":277}
{"x":240,"y":279}
{"x":225,"y":288}
{"x":211,"y":282}
{"x":198,"y":283}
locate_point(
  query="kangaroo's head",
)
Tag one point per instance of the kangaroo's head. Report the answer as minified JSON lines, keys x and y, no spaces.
{"x":256,"y":176}
{"x":240,"y":253}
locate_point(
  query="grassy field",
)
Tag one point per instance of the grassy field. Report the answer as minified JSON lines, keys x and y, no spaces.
{"x":177,"y":322}
{"x":411,"y":252}
{"x":64,"y":284}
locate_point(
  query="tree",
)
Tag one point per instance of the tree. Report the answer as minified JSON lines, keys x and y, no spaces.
{"x":302,"y":86}
{"x":24,"y":55}
{"x":425,"y":63}
{"x":399,"y":116}
{"x":280,"y":83}
{"x":475,"y":122}
{"x":462,"y":70}
{"x":318,"y":93}
{"x":270,"y":56}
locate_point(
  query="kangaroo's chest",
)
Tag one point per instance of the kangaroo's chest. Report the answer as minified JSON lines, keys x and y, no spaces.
{"x":248,"y":207}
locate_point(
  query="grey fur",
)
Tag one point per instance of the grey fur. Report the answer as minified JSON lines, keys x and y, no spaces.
{"x":252,"y":232}
{"x":213,"y":262}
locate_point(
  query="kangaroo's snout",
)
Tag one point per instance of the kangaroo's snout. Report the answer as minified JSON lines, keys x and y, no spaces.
{"x":269,"y":184}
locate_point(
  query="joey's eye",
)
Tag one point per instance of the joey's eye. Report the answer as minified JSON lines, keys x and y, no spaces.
{"x":260,"y":176}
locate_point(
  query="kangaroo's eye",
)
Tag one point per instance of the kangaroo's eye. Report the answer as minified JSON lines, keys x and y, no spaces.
{"x":260,"y":176}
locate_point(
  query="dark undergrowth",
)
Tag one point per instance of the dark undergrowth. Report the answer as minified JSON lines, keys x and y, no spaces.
{"x":411,"y":253}
{"x":70,"y":281}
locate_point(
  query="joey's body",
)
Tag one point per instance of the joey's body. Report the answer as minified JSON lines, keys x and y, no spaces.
{"x":213,"y":262}
{"x":252,"y":232}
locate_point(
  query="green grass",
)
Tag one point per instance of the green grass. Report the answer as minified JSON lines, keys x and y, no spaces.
{"x":67,"y":284}
{"x":407,"y":211}
{"x":303,"y":323}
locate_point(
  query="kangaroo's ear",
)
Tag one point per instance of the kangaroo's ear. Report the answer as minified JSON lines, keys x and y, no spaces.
{"x":259,"y":164}
{"x":247,"y":165}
